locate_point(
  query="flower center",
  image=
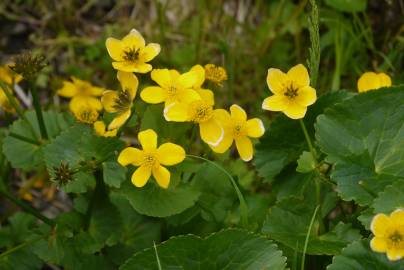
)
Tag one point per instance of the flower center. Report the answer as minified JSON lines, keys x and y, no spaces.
{"x":149,"y":160}
{"x":131,"y":54}
{"x":200,"y":112}
{"x":171,"y":91}
{"x":291,"y":91}
{"x":86,"y":115}
{"x":238,"y":130}
{"x":395,"y":240}
{"x":123,"y":102}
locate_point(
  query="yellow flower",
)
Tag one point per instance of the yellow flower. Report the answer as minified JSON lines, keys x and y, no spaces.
{"x":389,"y":234}
{"x":4,"y":103}
{"x":200,"y":79}
{"x":100,"y":129}
{"x":86,"y":115}
{"x":216,"y":74}
{"x":201,"y":112}
{"x":8,"y":76}
{"x":131,"y":53}
{"x":82,"y":94}
{"x":292,"y":92}
{"x":237,"y":128}
{"x":372,"y":81}
{"x":173,"y":87}
{"x":120,"y":102}
{"x":151,"y":158}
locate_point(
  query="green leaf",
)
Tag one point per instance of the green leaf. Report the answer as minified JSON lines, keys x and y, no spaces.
{"x":152,"y":200}
{"x":32,"y":156}
{"x":284,"y":141}
{"x":229,"y":249}
{"x":363,"y":138}
{"x":390,"y":199}
{"x":305,"y":163}
{"x":22,"y":259}
{"x":76,"y":147}
{"x":348,"y":5}
{"x":114,"y":174}
{"x":359,"y":256}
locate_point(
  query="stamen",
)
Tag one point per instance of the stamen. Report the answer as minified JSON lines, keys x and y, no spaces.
{"x":131,"y":54}
{"x":123,"y":101}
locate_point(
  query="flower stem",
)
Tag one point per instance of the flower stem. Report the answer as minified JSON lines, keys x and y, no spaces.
{"x":38,"y":111}
{"x":243,"y":204}
{"x":306,"y":242}
{"x":308,"y":140}
{"x":26,"y":207}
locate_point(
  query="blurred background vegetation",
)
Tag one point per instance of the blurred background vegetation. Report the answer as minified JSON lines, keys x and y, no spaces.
{"x":245,"y":36}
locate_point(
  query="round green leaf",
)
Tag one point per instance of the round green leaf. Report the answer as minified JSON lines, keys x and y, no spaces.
{"x":230,"y":249}
{"x":359,"y":256}
{"x":363,"y":138}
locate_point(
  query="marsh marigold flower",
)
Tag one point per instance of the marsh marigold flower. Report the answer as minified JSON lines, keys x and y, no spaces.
{"x":86,"y":115}
{"x":100,"y":129}
{"x":131,"y":54}
{"x":237,"y":128}
{"x":291,"y":92}
{"x":201,"y":112}
{"x":200,"y":79}
{"x":388,"y":234}
{"x":372,"y":81}
{"x":9,"y":77}
{"x":173,"y":87}
{"x":82,"y":94}
{"x":120,"y":102}
{"x":150,"y":159}
{"x":216,"y":74}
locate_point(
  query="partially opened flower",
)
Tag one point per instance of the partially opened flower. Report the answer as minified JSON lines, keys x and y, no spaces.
{"x":120,"y":102}
{"x":9,"y":76}
{"x":131,"y":54}
{"x":82,"y":94}
{"x":86,"y":114}
{"x":200,"y":79}
{"x":201,"y":112}
{"x":237,"y":128}
{"x":372,"y":81}
{"x":150,"y":159}
{"x":173,"y":87}
{"x":388,"y":234}
{"x":291,"y":92}
{"x":100,"y":129}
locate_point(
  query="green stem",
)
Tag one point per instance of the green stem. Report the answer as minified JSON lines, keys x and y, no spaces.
{"x":20,"y":246}
{"x":27,"y":208}
{"x":23,"y":138}
{"x":38,"y":111}
{"x":157,"y":256}
{"x":243,"y":204}
{"x":308,"y":140}
{"x":306,"y":242}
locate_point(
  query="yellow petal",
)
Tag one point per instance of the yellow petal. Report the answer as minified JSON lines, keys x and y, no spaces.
{"x":211,"y":132}
{"x":114,"y":48}
{"x":379,"y":224}
{"x":111,"y":133}
{"x":368,"y":81}
{"x":129,"y":82}
{"x":238,"y":113}
{"x":132,"y":67}
{"x":141,"y":176}
{"x":397,"y":216}
{"x":130,"y":155}
{"x":187,"y":96}
{"x":119,"y":120}
{"x":225,"y":144}
{"x":176,"y":112}
{"x":153,"y":94}
{"x":385,"y":80}
{"x":206,"y":95}
{"x":276,"y":80}
{"x":187,"y":79}
{"x":162,"y":77}
{"x":394,"y":254}
{"x":78,"y":102}
{"x":99,"y":128}
{"x":275,"y":103}
{"x":223,"y":117}
{"x":148,"y":139}
{"x":68,"y":90}
{"x":299,"y":75}
{"x":108,"y":100}
{"x":170,"y":154}
{"x":306,"y":96}
{"x":295,"y":111}
{"x":150,"y":51}
{"x":133,"y":40}
{"x":162,"y":176}
{"x":200,"y":75}
{"x":378,"y":244}
{"x":174,"y":74}
{"x":255,"y":128}
{"x":245,"y":148}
